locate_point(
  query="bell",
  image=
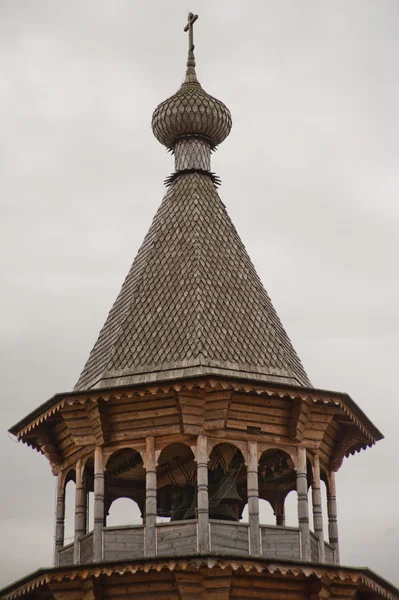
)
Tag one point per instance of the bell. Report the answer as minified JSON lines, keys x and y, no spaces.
{"x":224,"y":512}
{"x":226,"y":490}
{"x":191,"y":512}
{"x":180,"y":508}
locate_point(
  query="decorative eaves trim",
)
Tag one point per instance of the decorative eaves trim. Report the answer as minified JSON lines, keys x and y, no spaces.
{"x":371,"y":433}
{"x":332,"y":573}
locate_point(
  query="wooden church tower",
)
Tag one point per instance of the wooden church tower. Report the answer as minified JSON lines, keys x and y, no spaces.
{"x":194,"y":404}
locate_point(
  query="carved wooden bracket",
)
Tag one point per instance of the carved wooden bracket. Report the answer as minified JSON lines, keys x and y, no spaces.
{"x":78,"y":424}
{"x":349,"y":437}
{"x":194,"y":584}
{"x":301,"y":411}
{"x":98,"y":417}
{"x":92,"y":590}
{"x":47,"y":446}
{"x":329,"y":590}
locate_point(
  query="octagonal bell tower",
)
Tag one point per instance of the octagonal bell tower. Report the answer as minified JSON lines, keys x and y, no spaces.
{"x":194,"y":404}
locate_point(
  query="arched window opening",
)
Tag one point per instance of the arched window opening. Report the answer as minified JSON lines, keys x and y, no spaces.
{"x":291,"y":509}
{"x":245,"y":516}
{"x":124,"y":482}
{"x":324,"y":500}
{"x":70,"y":493}
{"x":227,"y":483}
{"x":276,"y":479}
{"x":88,"y":482}
{"x":266,"y":513}
{"x":176,"y":484}
{"x":124,"y":511}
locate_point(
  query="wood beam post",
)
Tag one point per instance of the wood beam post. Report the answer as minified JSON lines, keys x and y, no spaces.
{"x":98,"y":504}
{"x":279,"y":509}
{"x":303,"y":507}
{"x":332,"y":516}
{"x":317,"y":511}
{"x":80,"y":511}
{"x":59,"y":518}
{"x":202,"y":494}
{"x":253,"y":499}
{"x":150,"y":498}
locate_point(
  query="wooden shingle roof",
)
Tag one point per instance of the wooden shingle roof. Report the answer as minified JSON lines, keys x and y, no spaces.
{"x":192,"y":303}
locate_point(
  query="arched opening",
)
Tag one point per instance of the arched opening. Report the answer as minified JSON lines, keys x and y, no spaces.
{"x":124,"y":511}
{"x":276,"y":479}
{"x":70,"y":493}
{"x":176,"y":484}
{"x":291,"y":509}
{"x":324,"y":502}
{"x":266,"y":513}
{"x":227,"y":483}
{"x":124,"y":477}
{"x":88,"y":482}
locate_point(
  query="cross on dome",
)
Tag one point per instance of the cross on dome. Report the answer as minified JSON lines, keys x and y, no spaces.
{"x":189,"y":27}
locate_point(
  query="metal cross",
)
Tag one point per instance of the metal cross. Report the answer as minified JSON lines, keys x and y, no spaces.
{"x":189,"y":27}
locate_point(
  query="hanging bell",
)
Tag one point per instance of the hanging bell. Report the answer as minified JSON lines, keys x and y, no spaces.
{"x":224,"y":512}
{"x":180,"y":503}
{"x":191,"y":512}
{"x":226,"y":490}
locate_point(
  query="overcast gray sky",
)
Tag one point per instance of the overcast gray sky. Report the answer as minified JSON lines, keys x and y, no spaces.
{"x":310,"y":180}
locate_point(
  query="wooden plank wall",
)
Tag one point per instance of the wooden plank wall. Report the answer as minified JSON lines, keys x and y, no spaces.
{"x":66,"y":556}
{"x":314,"y":547}
{"x":280,"y":542}
{"x":175,"y":539}
{"x":229,"y":538}
{"x":86,"y":548}
{"x":329,"y":553}
{"x":123,"y":542}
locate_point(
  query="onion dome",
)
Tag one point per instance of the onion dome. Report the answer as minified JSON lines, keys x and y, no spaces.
{"x":191,"y":111}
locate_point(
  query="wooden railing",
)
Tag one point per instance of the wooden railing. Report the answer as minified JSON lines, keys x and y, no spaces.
{"x":180,"y":537}
{"x":65,"y":556}
{"x":280,"y":542}
{"x":86,"y":548}
{"x":176,"y":538}
{"x":329,"y":554}
{"x":314,"y":547}
{"x":228,"y":537}
{"x":120,"y":543}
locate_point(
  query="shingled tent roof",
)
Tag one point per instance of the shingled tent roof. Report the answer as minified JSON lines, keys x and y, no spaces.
{"x":192,"y":303}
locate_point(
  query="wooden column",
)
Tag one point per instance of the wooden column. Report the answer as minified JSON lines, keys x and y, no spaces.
{"x":317,"y":512}
{"x":80,"y":511}
{"x":202,"y":494}
{"x":279,"y":510}
{"x":303,"y":508}
{"x":98,"y":504}
{"x":150,"y":498}
{"x":332,"y":516}
{"x":253,"y":499}
{"x":59,"y":518}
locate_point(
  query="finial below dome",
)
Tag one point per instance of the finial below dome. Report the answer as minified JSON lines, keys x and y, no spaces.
{"x":191,"y":76}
